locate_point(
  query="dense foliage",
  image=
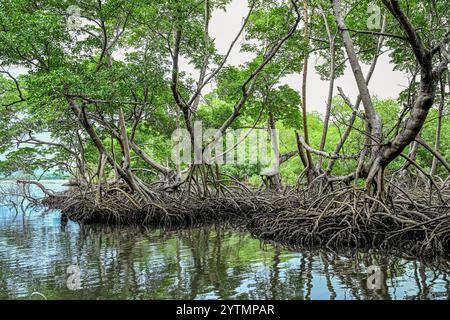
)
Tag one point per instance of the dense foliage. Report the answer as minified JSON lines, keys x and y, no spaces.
{"x":100,"y":94}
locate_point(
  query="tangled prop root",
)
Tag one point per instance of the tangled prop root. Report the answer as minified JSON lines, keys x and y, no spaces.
{"x":349,"y":218}
{"x":407,"y":221}
{"x":168,"y":210}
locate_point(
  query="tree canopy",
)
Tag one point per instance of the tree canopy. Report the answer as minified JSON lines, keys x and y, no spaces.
{"x":102,"y":87}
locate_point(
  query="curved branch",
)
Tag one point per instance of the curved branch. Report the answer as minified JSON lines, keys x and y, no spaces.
{"x":434,"y":152}
{"x":325,"y":154}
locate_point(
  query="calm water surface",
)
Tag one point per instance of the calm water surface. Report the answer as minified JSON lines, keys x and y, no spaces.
{"x":209,"y":262}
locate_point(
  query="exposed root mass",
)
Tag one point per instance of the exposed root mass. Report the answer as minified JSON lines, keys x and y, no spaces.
{"x":350,"y":219}
{"x":408,"y":221}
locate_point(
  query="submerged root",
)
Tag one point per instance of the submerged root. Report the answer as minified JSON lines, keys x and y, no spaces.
{"x":343,"y":218}
{"x":169,"y":209}
{"x":349,"y":218}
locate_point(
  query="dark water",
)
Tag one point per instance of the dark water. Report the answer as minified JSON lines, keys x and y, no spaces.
{"x":211,"y":262}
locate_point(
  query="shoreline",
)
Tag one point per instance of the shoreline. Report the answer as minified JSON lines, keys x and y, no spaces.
{"x":56,"y":181}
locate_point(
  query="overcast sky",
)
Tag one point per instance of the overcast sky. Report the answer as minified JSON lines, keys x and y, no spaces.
{"x":224,"y":27}
{"x":385,"y":82}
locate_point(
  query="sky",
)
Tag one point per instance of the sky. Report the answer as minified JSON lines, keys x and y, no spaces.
{"x":225,"y":25}
{"x":386,"y":83}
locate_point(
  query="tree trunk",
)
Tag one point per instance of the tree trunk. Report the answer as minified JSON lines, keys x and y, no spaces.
{"x":330,"y":89}
{"x":439,"y":128}
{"x":274,"y":179}
{"x":304,"y":83}
{"x":84,"y":121}
{"x":372,"y":118}
{"x":353,"y":117}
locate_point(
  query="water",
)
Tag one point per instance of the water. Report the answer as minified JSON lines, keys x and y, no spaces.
{"x":209,"y":262}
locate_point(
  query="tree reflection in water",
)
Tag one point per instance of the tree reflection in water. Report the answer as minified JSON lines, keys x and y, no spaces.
{"x":200,"y":263}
